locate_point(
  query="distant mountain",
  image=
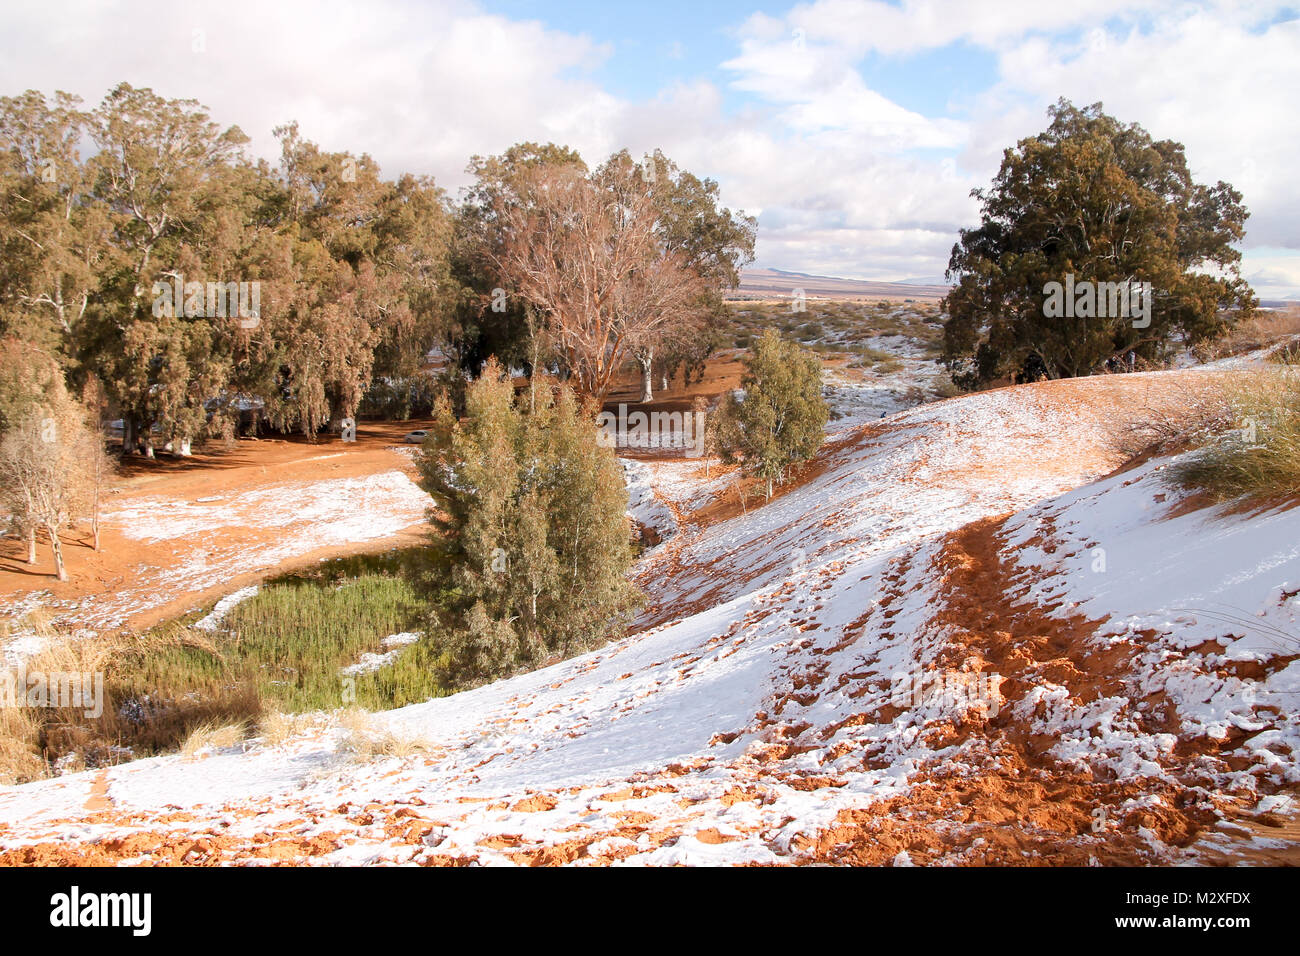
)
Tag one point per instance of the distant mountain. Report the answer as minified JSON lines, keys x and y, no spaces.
{"x":765,"y":283}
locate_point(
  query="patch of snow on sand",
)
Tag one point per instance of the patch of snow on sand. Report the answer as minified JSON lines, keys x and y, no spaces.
{"x":353,"y":509}
{"x":642,"y":504}
{"x":212,"y":621}
{"x":304,"y":516}
{"x":1207,"y":598}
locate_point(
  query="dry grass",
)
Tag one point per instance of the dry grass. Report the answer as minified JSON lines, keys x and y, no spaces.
{"x":20,"y":759}
{"x":139,"y":716}
{"x":35,"y":739}
{"x":1238,"y":435}
{"x":1277,"y":330}
{"x":213,"y":736}
{"x":1187,"y":419}
{"x":276,"y":727}
{"x":1257,"y":451}
{"x":365,"y":739}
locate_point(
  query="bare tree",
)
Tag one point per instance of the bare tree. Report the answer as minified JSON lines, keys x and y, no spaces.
{"x":48,"y":475}
{"x":97,"y":467}
{"x":588,"y":257}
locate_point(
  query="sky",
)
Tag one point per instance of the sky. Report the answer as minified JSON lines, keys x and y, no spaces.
{"x":854,"y":129}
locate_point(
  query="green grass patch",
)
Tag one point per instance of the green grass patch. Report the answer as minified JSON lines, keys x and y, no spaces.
{"x":287,"y":644}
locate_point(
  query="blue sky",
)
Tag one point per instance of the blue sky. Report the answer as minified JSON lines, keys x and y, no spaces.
{"x":654,"y":46}
{"x":854,"y":129}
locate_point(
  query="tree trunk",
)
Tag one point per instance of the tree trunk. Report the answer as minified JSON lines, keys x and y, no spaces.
{"x":128,"y":434}
{"x":647,"y":377}
{"x":31,"y":545}
{"x":94,"y":507}
{"x":56,"y":547}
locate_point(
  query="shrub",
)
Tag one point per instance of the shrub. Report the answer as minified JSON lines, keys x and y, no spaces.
{"x":365,"y":739}
{"x":945,"y":387}
{"x":869,"y":355}
{"x":1259,"y":456}
{"x":781,"y":419}
{"x":532,"y":542}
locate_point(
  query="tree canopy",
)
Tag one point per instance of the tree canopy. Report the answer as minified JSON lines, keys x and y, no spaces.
{"x":1091,"y":200}
{"x":351,"y":272}
{"x":605,"y":264}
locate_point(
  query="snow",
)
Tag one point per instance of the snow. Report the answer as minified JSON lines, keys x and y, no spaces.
{"x":212,"y":620}
{"x":742,"y":716}
{"x":1172,"y":581}
{"x":344,"y":509}
{"x":371,"y":662}
{"x":643,"y":505}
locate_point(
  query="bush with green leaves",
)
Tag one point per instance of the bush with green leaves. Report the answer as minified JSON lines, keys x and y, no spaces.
{"x":532,"y":544}
{"x":780,"y":420}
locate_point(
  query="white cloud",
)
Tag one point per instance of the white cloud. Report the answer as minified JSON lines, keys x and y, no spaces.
{"x":1209,"y":79}
{"x":862,"y":26}
{"x":1213,"y":76}
{"x":818,"y":87}
{"x":421,"y":86}
{"x":847,"y":181}
{"x":1273,"y":275}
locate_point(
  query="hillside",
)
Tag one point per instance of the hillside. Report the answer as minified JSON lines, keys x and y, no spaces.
{"x":759,"y":283}
{"x":811,"y":681}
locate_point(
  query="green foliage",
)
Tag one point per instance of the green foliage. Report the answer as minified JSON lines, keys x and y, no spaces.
{"x":532,"y":543}
{"x":353,"y":271}
{"x":781,"y":418}
{"x":1100,"y":200}
{"x":358,"y":277}
{"x":288,"y":643}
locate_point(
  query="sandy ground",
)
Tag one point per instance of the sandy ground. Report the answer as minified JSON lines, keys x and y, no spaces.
{"x":180,"y":533}
{"x":749,"y":717}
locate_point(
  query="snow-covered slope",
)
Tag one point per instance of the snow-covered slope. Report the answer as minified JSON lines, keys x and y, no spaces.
{"x":905,"y":658}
